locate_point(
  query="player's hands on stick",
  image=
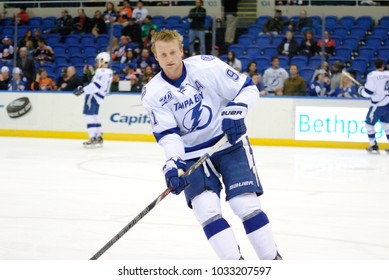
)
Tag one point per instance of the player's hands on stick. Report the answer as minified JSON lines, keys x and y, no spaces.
{"x":233,"y":121}
{"x":172,"y":170}
{"x":78,"y":91}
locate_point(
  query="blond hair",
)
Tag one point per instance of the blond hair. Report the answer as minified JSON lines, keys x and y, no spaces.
{"x":166,"y":36}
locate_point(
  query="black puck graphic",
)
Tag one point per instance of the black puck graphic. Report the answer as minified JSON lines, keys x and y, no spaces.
{"x":19,"y":107}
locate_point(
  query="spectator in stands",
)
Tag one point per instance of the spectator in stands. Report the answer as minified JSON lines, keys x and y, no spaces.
{"x":87,"y":74}
{"x":233,"y":61}
{"x":130,"y":69}
{"x":30,"y":49}
{"x":64,"y":24}
{"x":27,"y":37}
{"x":369,"y":3}
{"x":303,"y":24}
{"x":131,"y":57}
{"x":290,"y":2}
{"x":43,"y":53}
{"x":147,"y":40}
{"x":320,"y":86}
{"x":70,"y":80}
{"x":295,"y":84}
{"x":216,"y":51}
{"x":275,"y":24}
{"x":43,"y":82}
{"x":115,"y":82}
{"x":257,"y":80}
{"x":26,"y":64}
{"x":274,"y":77}
{"x":6,"y":50}
{"x":329,"y":45}
{"x":140,"y":12}
{"x":98,"y":24}
{"x":22,"y":16}
{"x":5,"y":79}
{"x":121,"y":53}
{"x":136,"y":85}
{"x":231,"y":16}
{"x":125,"y":13}
{"x":113,"y":48}
{"x":288,"y":45}
{"x":148,"y":74}
{"x":133,"y":30}
{"x":336,"y":74}
{"x":37,"y":36}
{"x":308,"y":46}
{"x":82,"y":23}
{"x":251,"y":69}
{"x":347,"y":88}
{"x":146,"y":59}
{"x":197,"y":26}
{"x":110,"y":15}
{"x":18,"y":82}
{"x":147,"y":25}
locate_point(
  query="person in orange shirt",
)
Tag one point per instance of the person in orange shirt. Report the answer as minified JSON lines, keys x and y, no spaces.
{"x":43,"y":82}
{"x":125,"y":13}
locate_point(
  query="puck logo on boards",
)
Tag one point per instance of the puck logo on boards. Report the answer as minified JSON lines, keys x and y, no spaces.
{"x":19,"y":107}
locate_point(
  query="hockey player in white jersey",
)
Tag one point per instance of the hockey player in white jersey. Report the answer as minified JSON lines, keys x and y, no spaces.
{"x":192,"y":103}
{"x":95,"y":93}
{"x":377,"y":89}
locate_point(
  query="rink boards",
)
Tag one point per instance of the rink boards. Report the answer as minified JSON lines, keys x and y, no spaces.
{"x":284,"y":121}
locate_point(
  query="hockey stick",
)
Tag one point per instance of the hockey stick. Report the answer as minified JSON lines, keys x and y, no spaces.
{"x":347,"y":74}
{"x":119,"y":235}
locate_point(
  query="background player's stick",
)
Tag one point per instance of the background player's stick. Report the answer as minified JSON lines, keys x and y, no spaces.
{"x":347,"y":74}
{"x":158,"y":199}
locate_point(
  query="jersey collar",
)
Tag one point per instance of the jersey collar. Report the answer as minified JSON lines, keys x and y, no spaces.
{"x":176,"y":83}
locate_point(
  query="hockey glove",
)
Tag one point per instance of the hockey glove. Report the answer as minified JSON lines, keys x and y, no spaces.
{"x":78,"y":91}
{"x":173,"y":180}
{"x":233,"y":121}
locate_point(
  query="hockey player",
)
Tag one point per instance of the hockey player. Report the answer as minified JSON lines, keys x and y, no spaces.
{"x":94,"y":96}
{"x":377,"y":89}
{"x":192,"y":103}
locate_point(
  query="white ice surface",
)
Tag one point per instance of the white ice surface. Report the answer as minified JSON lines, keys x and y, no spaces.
{"x":59,"y":201}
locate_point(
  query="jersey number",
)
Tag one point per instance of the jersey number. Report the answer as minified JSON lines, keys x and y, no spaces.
{"x":387,"y":86}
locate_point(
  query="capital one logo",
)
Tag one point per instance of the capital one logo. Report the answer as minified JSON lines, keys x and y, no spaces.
{"x":199,"y":117}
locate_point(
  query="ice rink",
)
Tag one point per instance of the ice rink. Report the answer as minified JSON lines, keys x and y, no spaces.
{"x":59,"y":201}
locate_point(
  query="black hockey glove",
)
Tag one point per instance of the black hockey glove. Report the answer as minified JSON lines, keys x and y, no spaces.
{"x":173,"y":180}
{"x":233,"y":121}
{"x":78,"y":91}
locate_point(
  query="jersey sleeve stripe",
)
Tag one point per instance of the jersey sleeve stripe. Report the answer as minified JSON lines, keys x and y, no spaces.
{"x":158,"y":136}
{"x":368,"y":91}
{"x":97,"y":85}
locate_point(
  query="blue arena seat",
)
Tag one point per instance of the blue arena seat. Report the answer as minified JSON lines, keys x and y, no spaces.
{"x":261,"y":20}
{"x":72,"y":39}
{"x":237,"y":49}
{"x":365,"y":21}
{"x":158,"y":20}
{"x":262,"y":61}
{"x":366,"y":52}
{"x":87,"y":39}
{"x":35,"y":21}
{"x":52,"y":39}
{"x":270,"y":51}
{"x":73,"y":50}
{"x":315,"y":61}
{"x":316,"y":20}
{"x":76,"y":59}
{"x":359,"y":64}
{"x":284,"y":61}
{"x":60,"y":59}
{"x":172,"y":20}
{"x":263,"y":40}
{"x":330,"y":22}
{"x":373,"y":42}
{"x":277,"y":40}
{"x":383,"y":52}
{"x":245,"y":60}
{"x":254,"y":29}
{"x":253,"y":51}
{"x":380,"y":31}
{"x":384,"y":21}
{"x":307,"y":74}
{"x":344,"y":53}
{"x":246,"y":39}
{"x":358,"y":31}
{"x":300,"y":60}
{"x":351,"y":42}
{"x":340,"y":31}
{"x":347,"y":21}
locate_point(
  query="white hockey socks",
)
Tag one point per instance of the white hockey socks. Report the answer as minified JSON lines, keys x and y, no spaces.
{"x":93,"y":125}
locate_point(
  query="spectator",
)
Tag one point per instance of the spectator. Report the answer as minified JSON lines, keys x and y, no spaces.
{"x":216,"y":51}
{"x":30,"y":49}
{"x":148,"y":74}
{"x":64,"y":24}
{"x":369,"y":3}
{"x":130,"y":69}
{"x":125,"y":13}
{"x":320,"y":86}
{"x":303,"y":24}
{"x":146,"y":59}
{"x":295,"y":84}
{"x":136,"y":86}
{"x":115,"y":82}
{"x":82,"y":23}
{"x":346,"y":88}
{"x":275,"y":24}
{"x":231,"y":16}
{"x":139,"y":13}
{"x":18,"y":82}
{"x":336,"y":74}
{"x":147,"y":40}
{"x":288,"y":45}
{"x":256,"y":78}
{"x":114,"y":48}
{"x":308,"y":46}
{"x":22,"y":16}
{"x":5,"y":79}
{"x":27,"y":37}
{"x":70,"y":80}
{"x":133,"y":30}
{"x":43,"y":53}
{"x":329,"y":45}
{"x":233,"y":61}
{"x":110,"y":15}
{"x":124,"y":46}
{"x":87,"y":74}
{"x":43,"y":82}
{"x":98,"y":24}
{"x":37,"y":36}
{"x":197,"y":26}
{"x":274,"y":77}
{"x":7,"y":50}
{"x":147,"y":25}
{"x":26,"y":64}
{"x":251,"y":69}
{"x":131,"y":57}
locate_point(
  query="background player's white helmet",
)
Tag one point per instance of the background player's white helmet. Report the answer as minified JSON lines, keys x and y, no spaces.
{"x":102,"y":58}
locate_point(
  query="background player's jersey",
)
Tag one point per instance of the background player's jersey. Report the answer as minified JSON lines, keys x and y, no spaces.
{"x":100,"y":84}
{"x":274,"y":78}
{"x":377,"y":86}
{"x":191,"y":106}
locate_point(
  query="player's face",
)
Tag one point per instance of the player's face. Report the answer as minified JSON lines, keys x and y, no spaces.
{"x":169,"y":55}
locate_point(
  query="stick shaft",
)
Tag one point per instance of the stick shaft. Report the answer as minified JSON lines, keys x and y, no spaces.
{"x":157,"y":200}
{"x":347,"y":74}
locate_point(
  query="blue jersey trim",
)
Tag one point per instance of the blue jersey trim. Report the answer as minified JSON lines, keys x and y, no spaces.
{"x":248,"y":82}
{"x":158,"y":136}
{"x":368,"y":91}
{"x":99,"y":95}
{"x":215,"y":227}
{"x":90,"y":125}
{"x":177,"y":83}
{"x":97,"y":85}
{"x":204,"y":145}
{"x":255,"y":223}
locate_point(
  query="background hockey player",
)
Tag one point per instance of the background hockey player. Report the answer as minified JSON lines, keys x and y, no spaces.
{"x":192,"y":103}
{"x":95,"y":93}
{"x":377,"y":89}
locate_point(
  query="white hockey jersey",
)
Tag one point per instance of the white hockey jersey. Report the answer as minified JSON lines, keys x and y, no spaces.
{"x":100,"y":85}
{"x":274,"y":78}
{"x":377,"y":87}
{"x":191,"y":106}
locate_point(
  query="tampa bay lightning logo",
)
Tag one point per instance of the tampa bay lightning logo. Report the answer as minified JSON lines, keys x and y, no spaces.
{"x":197,"y":118}
{"x":207,"y":57}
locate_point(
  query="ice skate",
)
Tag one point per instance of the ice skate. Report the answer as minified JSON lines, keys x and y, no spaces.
{"x":92,"y":143}
{"x":387,"y":151}
{"x":373,"y":149}
{"x":278,"y":257}
{"x":99,"y":141}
